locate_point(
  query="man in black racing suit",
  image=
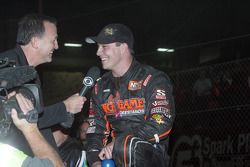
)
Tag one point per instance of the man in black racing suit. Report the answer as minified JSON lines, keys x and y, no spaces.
{"x":132,"y":103}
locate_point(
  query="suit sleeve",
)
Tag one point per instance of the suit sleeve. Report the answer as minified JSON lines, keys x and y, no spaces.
{"x":52,"y":115}
{"x":29,"y":162}
{"x":159,"y":109}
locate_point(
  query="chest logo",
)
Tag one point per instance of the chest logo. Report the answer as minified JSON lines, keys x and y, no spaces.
{"x":123,"y":105}
{"x":134,"y":85}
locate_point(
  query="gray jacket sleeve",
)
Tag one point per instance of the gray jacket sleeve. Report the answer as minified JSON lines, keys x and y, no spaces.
{"x":37,"y":162}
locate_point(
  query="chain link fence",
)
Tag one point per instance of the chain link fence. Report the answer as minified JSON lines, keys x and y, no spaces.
{"x":212,"y":116}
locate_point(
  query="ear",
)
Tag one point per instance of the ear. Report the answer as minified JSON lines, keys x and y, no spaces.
{"x":34,"y":42}
{"x":124,"y":47}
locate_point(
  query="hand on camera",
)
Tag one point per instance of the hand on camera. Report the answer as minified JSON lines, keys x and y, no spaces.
{"x":26,"y":106}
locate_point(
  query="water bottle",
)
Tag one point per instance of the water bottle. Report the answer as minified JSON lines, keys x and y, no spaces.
{"x":108,"y":163}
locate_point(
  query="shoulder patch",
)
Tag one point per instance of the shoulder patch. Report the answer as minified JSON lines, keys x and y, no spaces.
{"x":147,"y":80}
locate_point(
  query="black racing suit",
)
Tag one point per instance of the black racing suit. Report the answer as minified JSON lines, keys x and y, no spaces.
{"x":137,"y":110}
{"x":50,"y":115}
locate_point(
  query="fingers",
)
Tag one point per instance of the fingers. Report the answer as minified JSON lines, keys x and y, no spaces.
{"x":74,"y":104}
{"x":84,"y":99}
{"x":24,"y":103}
{"x":11,"y":94}
{"x":14,"y":115}
{"x":102,"y":155}
{"x":106,"y":153}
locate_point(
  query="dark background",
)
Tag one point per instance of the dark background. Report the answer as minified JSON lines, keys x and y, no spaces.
{"x":201,"y":32}
{"x":210,"y":35}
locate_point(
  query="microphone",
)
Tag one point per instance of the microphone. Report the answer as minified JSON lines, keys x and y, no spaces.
{"x":89,"y":80}
{"x":11,"y":77}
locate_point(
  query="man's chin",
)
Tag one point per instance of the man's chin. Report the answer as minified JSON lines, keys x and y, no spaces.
{"x":105,"y":67}
{"x":49,"y":60}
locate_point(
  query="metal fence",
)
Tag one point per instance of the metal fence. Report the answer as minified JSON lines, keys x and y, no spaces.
{"x":212,"y":116}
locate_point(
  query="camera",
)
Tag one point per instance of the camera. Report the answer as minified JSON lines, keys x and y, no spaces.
{"x":14,"y":78}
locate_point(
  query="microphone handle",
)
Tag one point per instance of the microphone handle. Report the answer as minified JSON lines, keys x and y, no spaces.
{"x":83,"y":90}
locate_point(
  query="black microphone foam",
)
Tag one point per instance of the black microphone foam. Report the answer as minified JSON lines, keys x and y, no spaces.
{"x":11,"y":77}
{"x":89,"y":80}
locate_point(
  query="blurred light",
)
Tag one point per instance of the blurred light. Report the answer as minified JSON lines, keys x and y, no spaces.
{"x":165,"y":50}
{"x":72,"y":45}
{"x":170,"y":50}
{"x":162,"y":49}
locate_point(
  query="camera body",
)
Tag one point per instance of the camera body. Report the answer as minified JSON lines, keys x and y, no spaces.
{"x":30,"y":91}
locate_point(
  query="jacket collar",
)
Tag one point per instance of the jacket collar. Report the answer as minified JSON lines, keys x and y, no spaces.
{"x":128,"y":74}
{"x":21,"y":58}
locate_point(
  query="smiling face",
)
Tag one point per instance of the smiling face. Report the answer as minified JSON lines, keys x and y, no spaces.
{"x":47,"y":43}
{"x":115,"y":57}
{"x":110,"y":55}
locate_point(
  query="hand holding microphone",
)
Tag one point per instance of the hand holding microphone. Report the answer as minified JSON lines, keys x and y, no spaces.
{"x":75,"y":102}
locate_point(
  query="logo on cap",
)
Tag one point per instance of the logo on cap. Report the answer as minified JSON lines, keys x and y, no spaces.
{"x":109,"y":31}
